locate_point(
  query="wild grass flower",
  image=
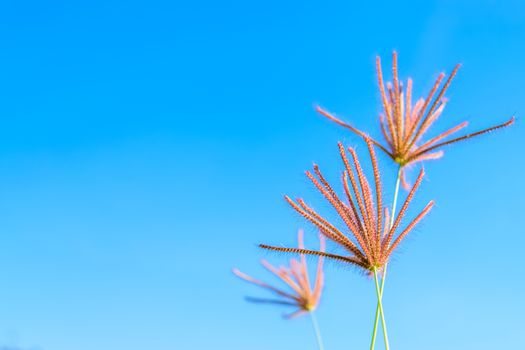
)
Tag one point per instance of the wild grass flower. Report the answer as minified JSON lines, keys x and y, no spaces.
{"x":368,"y":239}
{"x":404,"y":124}
{"x":370,"y":236}
{"x":300,"y":293}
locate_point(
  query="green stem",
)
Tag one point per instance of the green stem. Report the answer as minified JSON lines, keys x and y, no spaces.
{"x":380,"y":305}
{"x":378,"y":309}
{"x":317,"y":331}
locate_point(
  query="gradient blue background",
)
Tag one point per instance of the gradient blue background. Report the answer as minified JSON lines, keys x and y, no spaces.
{"x":145,"y":148}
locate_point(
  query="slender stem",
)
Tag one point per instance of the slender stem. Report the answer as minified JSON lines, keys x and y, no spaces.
{"x":380,"y":304}
{"x":374,"y":332}
{"x":378,"y":310}
{"x":392,"y":217}
{"x":317,"y":331}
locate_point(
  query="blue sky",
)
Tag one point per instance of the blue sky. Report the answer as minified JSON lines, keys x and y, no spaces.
{"x":145,"y":148}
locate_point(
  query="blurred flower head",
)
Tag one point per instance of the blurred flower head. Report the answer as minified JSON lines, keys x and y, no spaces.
{"x":299,"y":292}
{"x":404,"y":124}
{"x":367,"y":238}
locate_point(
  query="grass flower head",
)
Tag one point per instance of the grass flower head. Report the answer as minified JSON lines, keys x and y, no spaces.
{"x":300,"y":293}
{"x":404,"y":124}
{"x":368,"y":238}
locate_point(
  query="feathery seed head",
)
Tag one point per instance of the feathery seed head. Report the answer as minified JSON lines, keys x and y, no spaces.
{"x":300,"y":293}
{"x":404,"y":123}
{"x":368,"y":239}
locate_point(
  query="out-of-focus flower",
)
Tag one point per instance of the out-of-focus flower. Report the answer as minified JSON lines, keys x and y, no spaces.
{"x":300,"y":294}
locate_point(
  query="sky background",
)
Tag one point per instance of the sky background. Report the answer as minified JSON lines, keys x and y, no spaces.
{"x":145,"y":148}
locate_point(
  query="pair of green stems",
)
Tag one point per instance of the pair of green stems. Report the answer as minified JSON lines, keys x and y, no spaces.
{"x":379,"y":289}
